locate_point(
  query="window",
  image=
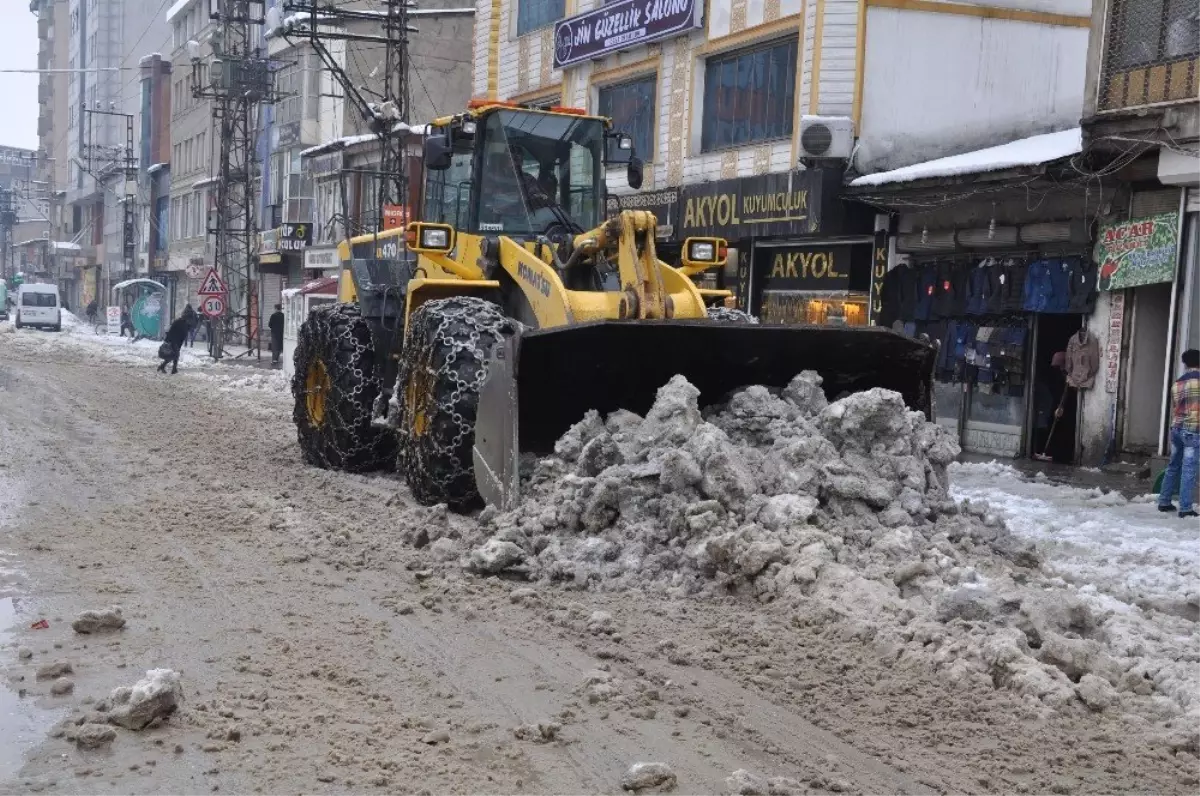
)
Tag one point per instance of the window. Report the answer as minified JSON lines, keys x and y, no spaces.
{"x":631,"y":108}
{"x":535,"y":14}
{"x":1148,"y":34}
{"x":448,"y":193}
{"x":187,"y":215}
{"x":32,"y":299}
{"x":539,"y":172}
{"x":748,"y":96}
{"x":289,"y":83}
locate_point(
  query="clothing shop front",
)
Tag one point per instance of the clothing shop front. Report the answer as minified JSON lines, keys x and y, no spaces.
{"x":1014,"y":346}
{"x":797,"y":254}
{"x":1005,"y":285}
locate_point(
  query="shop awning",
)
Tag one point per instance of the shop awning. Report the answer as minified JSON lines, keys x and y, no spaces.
{"x":132,"y":282}
{"x":1033,"y":151}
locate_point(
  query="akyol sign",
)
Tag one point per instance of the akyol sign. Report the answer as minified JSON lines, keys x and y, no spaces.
{"x":622,"y":24}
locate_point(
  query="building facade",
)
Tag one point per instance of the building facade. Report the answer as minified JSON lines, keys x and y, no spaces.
{"x":1142,"y":123}
{"x":717,"y":97}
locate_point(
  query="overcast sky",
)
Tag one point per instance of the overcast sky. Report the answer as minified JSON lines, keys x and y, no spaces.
{"x":18,"y":50}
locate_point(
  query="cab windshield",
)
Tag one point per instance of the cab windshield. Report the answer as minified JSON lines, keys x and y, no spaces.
{"x":541,"y":173}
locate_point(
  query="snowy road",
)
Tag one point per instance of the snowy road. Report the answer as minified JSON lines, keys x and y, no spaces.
{"x":321,"y":653}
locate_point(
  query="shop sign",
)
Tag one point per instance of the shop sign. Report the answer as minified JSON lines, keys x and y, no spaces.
{"x":324,"y":165}
{"x":622,"y":24}
{"x":1112,"y":352}
{"x":821,"y":267}
{"x":321,"y":258}
{"x":1138,"y":252}
{"x":782,"y":204}
{"x":879,"y":269}
{"x":395,"y":216}
{"x":663,"y":204}
{"x":294,"y":237}
{"x":268,"y":241}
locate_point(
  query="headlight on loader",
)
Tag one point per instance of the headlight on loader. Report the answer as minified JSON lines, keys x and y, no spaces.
{"x":435,"y":239}
{"x":700,"y":254}
{"x":430,"y":238}
{"x":704,"y":251}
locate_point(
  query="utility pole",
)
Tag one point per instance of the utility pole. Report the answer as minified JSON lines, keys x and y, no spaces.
{"x":116,"y":160}
{"x":382,"y":109}
{"x":8,"y":220}
{"x":236,"y":79}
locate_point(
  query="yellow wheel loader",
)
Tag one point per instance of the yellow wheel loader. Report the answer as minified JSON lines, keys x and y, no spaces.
{"x":513,"y":306}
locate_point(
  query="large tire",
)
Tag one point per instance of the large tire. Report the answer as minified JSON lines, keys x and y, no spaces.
{"x":437,"y":395}
{"x":728,"y":315}
{"x":335,"y":385}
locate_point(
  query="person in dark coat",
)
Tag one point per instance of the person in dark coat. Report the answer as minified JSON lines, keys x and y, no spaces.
{"x":193,"y":318}
{"x":176,"y":334}
{"x":92,"y":309}
{"x":127,"y":322}
{"x":275,"y":324}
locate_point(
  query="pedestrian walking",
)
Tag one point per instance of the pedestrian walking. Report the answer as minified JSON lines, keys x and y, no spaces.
{"x":1184,"y":466}
{"x":92,"y":309}
{"x":275,"y":324}
{"x":172,"y":345}
{"x":127,"y":323}
{"x":193,"y":319}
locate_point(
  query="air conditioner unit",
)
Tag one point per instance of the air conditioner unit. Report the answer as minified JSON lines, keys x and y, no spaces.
{"x":826,"y":137}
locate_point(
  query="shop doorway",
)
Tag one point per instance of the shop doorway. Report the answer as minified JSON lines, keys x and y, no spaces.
{"x":1050,"y":391}
{"x":1147,"y":369}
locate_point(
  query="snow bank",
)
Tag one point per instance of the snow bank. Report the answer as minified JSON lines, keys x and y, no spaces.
{"x":841,"y":510}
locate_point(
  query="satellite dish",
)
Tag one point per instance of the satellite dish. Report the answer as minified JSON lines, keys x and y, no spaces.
{"x":273,"y":18}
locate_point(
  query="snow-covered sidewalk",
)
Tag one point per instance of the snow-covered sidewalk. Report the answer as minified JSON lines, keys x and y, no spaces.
{"x":1124,"y":548}
{"x":194,"y":363}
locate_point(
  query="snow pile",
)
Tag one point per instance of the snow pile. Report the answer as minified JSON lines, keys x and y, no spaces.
{"x":776,"y":492}
{"x":97,"y":621}
{"x":153,"y":698}
{"x":842,"y":510}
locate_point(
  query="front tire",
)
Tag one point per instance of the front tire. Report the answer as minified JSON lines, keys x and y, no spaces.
{"x":729,"y":315}
{"x":437,"y":395}
{"x":337,"y":379}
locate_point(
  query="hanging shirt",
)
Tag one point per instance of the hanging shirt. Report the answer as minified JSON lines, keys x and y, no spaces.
{"x":1083,"y":360}
{"x":1185,"y":400}
{"x":1010,"y":294}
{"x":1081,"y":295}
{"x":979,"y":288}
{"x":1058,"y":275}
{"x":926,"y":290}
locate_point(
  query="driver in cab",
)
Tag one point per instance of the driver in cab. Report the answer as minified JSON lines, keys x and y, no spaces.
{"x":513,"y":186}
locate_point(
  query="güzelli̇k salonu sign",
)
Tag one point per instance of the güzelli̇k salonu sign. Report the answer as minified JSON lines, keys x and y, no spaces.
{"x":622,"y":24}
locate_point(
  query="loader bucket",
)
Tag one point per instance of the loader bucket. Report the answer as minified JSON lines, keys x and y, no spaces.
{"x":540,"y":382}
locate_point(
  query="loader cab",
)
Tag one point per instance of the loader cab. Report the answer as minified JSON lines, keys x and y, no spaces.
{"x":521,"y":172}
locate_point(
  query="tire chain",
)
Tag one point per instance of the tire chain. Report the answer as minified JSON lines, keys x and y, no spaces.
{"x":338,"y":335}
{"x":450,"y":342}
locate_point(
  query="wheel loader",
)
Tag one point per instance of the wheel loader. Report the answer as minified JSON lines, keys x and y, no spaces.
{"x":511,"y":306}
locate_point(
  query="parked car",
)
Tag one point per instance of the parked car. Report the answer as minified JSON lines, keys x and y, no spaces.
{"x":3,"y":300}
{"x":39,"y":305}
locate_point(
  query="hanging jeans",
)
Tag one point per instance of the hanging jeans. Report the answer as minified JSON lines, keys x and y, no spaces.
{"x":1183,"y":469}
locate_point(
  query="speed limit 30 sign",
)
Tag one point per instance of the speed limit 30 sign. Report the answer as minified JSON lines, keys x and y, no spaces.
{"x":213,"y":306}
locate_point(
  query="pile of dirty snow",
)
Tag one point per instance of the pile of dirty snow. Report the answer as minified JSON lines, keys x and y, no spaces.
{"x":840,"y":509}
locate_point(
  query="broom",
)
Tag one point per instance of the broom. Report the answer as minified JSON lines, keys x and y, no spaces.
{"x":1043,"y":456}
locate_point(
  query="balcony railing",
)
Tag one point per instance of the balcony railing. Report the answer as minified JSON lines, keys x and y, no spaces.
{"x":1151,"y":55}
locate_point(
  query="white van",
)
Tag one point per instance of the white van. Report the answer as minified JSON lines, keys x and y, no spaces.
{"x":38,"y":305}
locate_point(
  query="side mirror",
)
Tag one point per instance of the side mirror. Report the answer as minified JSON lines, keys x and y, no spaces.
{"x":633,"y":173}
{"x":618,"y":149}
{"x":437,"y":153}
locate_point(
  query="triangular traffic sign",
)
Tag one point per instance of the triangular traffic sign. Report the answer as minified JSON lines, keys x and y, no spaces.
{"x":212,"y":284}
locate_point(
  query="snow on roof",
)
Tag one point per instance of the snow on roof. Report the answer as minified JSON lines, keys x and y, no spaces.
{"x":1024,"y":152}
{"x":177,"y":8}
{"x":422,"y":12}
{"x":204,"y":182}
{"x":155,"y":168}
{"x":352,"y":140}
{"x":57,"y":244}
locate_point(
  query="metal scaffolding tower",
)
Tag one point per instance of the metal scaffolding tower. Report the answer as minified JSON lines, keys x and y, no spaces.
{"x":385,"y":106}
{"x":237,"y":78}
{"x":8,"y":219}
{"x":106,"y":161}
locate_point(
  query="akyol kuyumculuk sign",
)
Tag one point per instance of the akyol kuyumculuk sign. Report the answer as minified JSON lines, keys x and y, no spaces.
{"x":622,"y":24}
